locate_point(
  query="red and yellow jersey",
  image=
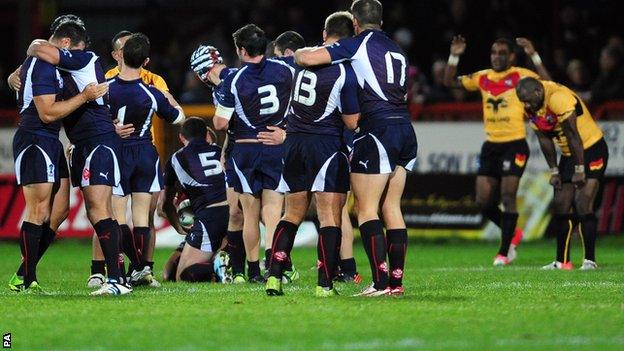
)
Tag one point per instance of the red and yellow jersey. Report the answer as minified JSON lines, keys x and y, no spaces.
{"x":503,"y":113}
{"x":559,"y":103}
{"x":147,"y":77}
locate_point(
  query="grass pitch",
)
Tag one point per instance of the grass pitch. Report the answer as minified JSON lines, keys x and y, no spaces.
{"x":454,"y":300}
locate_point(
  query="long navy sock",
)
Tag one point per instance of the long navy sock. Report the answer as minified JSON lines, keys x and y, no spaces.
{"x":98,"y":267}
{"x":129,"y":247}
{"x":47,"y":237}
{"x":508,"y":227}
{"x":397,"y":247}
{"x":236,"y":249}
{"x":326,"y":251}
{"x":280,"y":249}
{"x":589,"y":228}
{"x":142,"y":236}
{"x":375,"y":247}
{"x":30,"y":235}
{"x":108,"y":233}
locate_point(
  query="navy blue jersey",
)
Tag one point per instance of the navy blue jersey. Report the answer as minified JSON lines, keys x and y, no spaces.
{"x":320,"y":97}
{"x":93,"y":118}
{"x":217,"y":90}
{"x":381,"y":69}
{"x":197,"y":167}
{"x":259,"y":93}
{"x":39,"y":78}
{"x":133,"y":102}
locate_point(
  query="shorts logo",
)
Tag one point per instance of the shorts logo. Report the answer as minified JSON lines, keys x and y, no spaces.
{"x":596,"y":165}
{"x":51,"y":171}
{"x":104,"y":175}
{"x":365,"y":164}
{"x":383,"y":266}
{"x":280,"y":256}
{"x":397,"y":273}
{"x":86,"y":174}
{"x":520,"y":160}
{"x":506,"y":165}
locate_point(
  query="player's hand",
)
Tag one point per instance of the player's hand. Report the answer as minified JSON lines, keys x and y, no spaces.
{"x":276,"y":136}
{"x":458,"y":45}
{"x":14,"y":80}
{"x":578,"y":179}
{"x":123,"y":130}
{"x":93,"y":91}
{"x":555,"y":181}
{"x":527,"y":45}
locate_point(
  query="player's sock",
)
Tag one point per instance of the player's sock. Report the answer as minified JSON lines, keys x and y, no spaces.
{"x":253,"y":268}
{"x":375,"y":246}
{"x":129,"y":247}
{"x":494,"y":214}
{"x":47,"y":237}
{"x":288,"y":266}
{"x":150,"y":264}
{"x":326,"y":251}
{"x":267,"y":258}
{"x":508,"y":227}
{"x":108,"y":233}
{"x":563,"y":231}
{"x":347,"y":266}
{"x":282,"y":245}
{"x":142,"y":236}
{"x":397,"y":247}
{"x":30,"y":236}
{"x":98,"y":267}
{"x":589,"y":227}
{"x":199,"y":272}
{"x":236,"y":249}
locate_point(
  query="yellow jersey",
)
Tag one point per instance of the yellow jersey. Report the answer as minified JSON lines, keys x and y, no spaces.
{"x":147,"y":77}
{"x":559,"y":103}
{"x":503,"y":113}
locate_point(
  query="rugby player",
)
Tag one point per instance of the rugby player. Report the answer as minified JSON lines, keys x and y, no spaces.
{"x":136,"y":103}
{"x":558,"y":116}
{"x":40,"y":164}
{"x":385,"y":145}
{"x":315,"y":157}
{"x":94,"y":160}
{"x":259,"y":93}
{"x":505,"y":152}
{"x":197,"y":169}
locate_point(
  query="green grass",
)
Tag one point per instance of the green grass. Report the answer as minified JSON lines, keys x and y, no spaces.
{"x":454,"y":300}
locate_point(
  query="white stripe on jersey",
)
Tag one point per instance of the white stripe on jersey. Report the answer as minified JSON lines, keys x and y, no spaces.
{"x":154,"y":107}
{"x":237,"y":105}
{"x":334,"y":97}
{"x":364,"y":70}
{"x":292,"y":70}
{"x":86,"y":75}
{"x":28,"y":93}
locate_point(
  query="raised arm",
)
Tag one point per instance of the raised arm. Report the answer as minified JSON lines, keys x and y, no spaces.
{"x":45,"y":51}
{"x":458,"y":46}
{"x":528,"y":48}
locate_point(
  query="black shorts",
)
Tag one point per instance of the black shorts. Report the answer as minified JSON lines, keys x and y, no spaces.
{"x":38,"y":158}
{"x":381,"y":149}
{"x":95,"y":161}
{"x":503,"y":159}
{"x":595,"y":159}
{"x":209,"y":229}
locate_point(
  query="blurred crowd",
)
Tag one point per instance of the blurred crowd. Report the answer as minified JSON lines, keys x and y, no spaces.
{"x":581,"y":42}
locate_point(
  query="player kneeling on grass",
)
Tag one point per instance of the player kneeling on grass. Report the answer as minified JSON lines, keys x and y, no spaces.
{"x":197,"y":169}
{"x":558,"y":116}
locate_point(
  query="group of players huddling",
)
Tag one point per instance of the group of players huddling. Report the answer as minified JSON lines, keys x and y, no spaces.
{"x":312,"y":123}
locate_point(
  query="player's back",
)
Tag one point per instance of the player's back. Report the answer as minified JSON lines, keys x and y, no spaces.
{"x":39,"y":78}
{"x":260,"y":94}
{"x":197,"y":167}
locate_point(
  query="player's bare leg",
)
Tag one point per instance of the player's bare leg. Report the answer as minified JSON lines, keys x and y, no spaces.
{"x":396,"y":232}
{"x":563,"y":225}
{"x":486,"y":189}
{"x":272,"y":206}
{"x":235,"y":244}
{"x":368,"y":190}
{"x":584,"y":202}
{"x":195,"y":265}
{"x":348,"y":268}
{"x":251,"y":233}
{"x":147,"y":253}
{"x":329,"y":210}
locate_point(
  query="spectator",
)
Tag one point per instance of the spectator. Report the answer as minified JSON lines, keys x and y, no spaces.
{"x":609,"y":84}
{"x":578,"y":79}
{"x":438,"y":92}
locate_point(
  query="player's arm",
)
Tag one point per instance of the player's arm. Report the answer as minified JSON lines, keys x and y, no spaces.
{"x":225,"y":102}
{"x":14,"y":80}
{"x":458,"y":46}
{"x":169,"y":109}
{"x":349,"y":103}
{"x":528,"y":48}
{"x":50,"y":110}
{"x":43,"y":50}
{"x":570,"y":130}
{"x":306,"y":57}
{"x":169,"y":209}
{"x":550,"y":154}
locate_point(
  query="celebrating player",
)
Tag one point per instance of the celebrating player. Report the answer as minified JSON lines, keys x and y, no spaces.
{"x":259,"y":93}
{"x":558,"y":116}
{"x":133,"y":102}
{"x":505,"y":152}
{"x":315,"y":160}
{"x":40,"y":164}
{"x":94,"y":165}
{"x":197,"y":169}
{"x":385,"y":146}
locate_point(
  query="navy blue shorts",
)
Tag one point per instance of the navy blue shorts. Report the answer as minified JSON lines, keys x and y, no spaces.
{"x":210,"y":229}
{"x":257,"y":167}
{"x":95,"y":161}
{"x":315,"y":163}
{"x":140,"y":169}
{"x":231,"y":179}
{"x":380,"y":150}
{"x":38,"y":158}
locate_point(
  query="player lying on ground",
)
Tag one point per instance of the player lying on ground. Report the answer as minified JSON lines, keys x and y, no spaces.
{"x":505,"y":152}
{"x":558,"y":116}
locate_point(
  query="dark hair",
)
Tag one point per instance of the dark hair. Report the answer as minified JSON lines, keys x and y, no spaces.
{"x":527,"y":84}
{"x":270,"y":49}
{"x":72,"y":30}
{"x":505,"y":41}
{"x":367,"y":12}
{"x":122,"y":34}
{"x":339,"y":24}
{"x":136,"y":50}
{"x":252,"y":38}
{"x":289,"y":40}
{"x":194,"y":128}
{"x":66,"y":18}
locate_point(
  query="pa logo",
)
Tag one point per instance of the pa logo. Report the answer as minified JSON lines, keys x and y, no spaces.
{"x":6,"y":341}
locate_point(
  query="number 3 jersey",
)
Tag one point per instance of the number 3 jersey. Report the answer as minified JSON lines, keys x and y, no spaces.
{"x":197,"y":168}
{"x":259,"y":94}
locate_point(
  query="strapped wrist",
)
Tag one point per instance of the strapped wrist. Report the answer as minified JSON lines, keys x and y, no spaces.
{"x":536,"y":59}
{"x":453,"y":60}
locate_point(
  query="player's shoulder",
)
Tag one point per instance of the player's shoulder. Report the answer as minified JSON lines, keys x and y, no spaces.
{"x":111,"y":73}
{"x":287,"y":62}
{"x":153,"y":79}
{"x":524,"y":72}
{"x":479,"y":74}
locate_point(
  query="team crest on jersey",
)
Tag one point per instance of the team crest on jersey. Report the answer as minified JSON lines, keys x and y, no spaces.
{"x":596,"y":165}
{"x":547,"y":122}
{"x":86,"y":174}
{"x":520,"y":160}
